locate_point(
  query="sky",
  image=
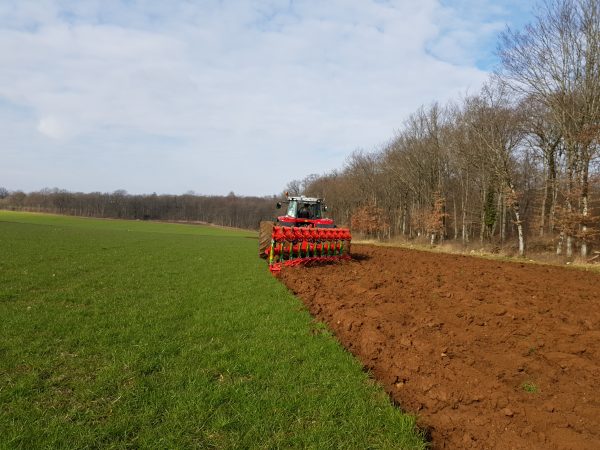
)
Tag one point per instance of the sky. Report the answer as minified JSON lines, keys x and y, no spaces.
{"x":220,"y":96}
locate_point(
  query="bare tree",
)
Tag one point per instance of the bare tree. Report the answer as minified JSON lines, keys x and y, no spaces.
{"x":496,"y":130}
{"x":556,"y":62}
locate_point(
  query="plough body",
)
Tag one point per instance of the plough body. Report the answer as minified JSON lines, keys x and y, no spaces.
{"x":292,"y":246}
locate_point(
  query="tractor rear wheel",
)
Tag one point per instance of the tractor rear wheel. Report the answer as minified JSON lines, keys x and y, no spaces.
{"x":264,"y":237}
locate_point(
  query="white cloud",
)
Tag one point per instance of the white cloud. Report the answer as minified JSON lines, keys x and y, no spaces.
{"x":52,"y":127}
{"x":259,"y":92}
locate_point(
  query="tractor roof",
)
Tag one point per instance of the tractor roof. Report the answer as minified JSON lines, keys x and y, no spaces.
{"x":304,"y":199}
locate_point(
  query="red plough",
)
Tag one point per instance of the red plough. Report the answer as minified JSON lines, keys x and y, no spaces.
{"x":292,"y":246}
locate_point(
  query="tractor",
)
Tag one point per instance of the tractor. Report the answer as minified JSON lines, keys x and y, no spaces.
{"x":302,"y":235}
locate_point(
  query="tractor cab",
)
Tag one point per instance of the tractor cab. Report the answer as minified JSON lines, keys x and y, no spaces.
{"x":304,"y":211}
{"x":304,"y":208}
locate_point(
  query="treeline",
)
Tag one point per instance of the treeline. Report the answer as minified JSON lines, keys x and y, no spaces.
{"x":230,"y":210}
{"x":516,"y":160}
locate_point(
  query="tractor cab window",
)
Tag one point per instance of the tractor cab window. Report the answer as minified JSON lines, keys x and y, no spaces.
{"x":315,"y":211}
{"x":292,"y":207}
{"x":304,"y":212}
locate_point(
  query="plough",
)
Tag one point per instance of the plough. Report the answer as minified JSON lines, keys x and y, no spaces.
{"x":292,"y":246}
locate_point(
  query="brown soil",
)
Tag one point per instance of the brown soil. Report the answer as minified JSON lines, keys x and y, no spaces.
{"x":461,"y":341}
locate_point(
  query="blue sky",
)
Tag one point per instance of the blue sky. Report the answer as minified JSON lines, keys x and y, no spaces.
{"x":219,"y":96}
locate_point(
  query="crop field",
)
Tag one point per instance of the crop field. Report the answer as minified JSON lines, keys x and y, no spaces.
{"x":151,"y":335}
{"x":490,"y":354}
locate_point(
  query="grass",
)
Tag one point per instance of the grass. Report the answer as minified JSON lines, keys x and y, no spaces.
{"x":124,"y":334}
{"x":530,"y":387}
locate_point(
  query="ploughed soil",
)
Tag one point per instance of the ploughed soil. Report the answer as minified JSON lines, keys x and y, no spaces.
{"x":487,"y":354}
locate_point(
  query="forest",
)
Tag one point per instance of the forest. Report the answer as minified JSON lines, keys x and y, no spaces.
{"x":231,"y":210}
{"x":513,"y":165}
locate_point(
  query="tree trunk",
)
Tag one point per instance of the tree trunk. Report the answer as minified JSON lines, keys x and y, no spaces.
{"x":495,"y":224}
{"x":584,"y":211}
{"x":553,"y":192}
{"x":559,"y":245}
{"x":514,"y":203}
{"x":482,"y":225}
{"x":465,"y":230}
{"x":519,"y":231}
{"x":572,"y":157}
{"x":543,"y":212}
{"x":569,"y":246}
{"x":568,"y":232}
{"x":503,"y":221}
{"x":584,"y":208}
{"x":465,"y":233}
{"x":552,"y":215}
{"x":455,"y":219}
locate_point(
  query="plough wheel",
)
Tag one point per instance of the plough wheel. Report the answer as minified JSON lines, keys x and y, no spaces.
{"x":264,"y":237}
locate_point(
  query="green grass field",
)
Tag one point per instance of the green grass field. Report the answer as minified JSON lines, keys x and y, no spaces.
{"x":151,"y":335}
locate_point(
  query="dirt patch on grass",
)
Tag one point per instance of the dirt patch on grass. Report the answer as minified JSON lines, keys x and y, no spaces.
{"x":488,"y":354}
